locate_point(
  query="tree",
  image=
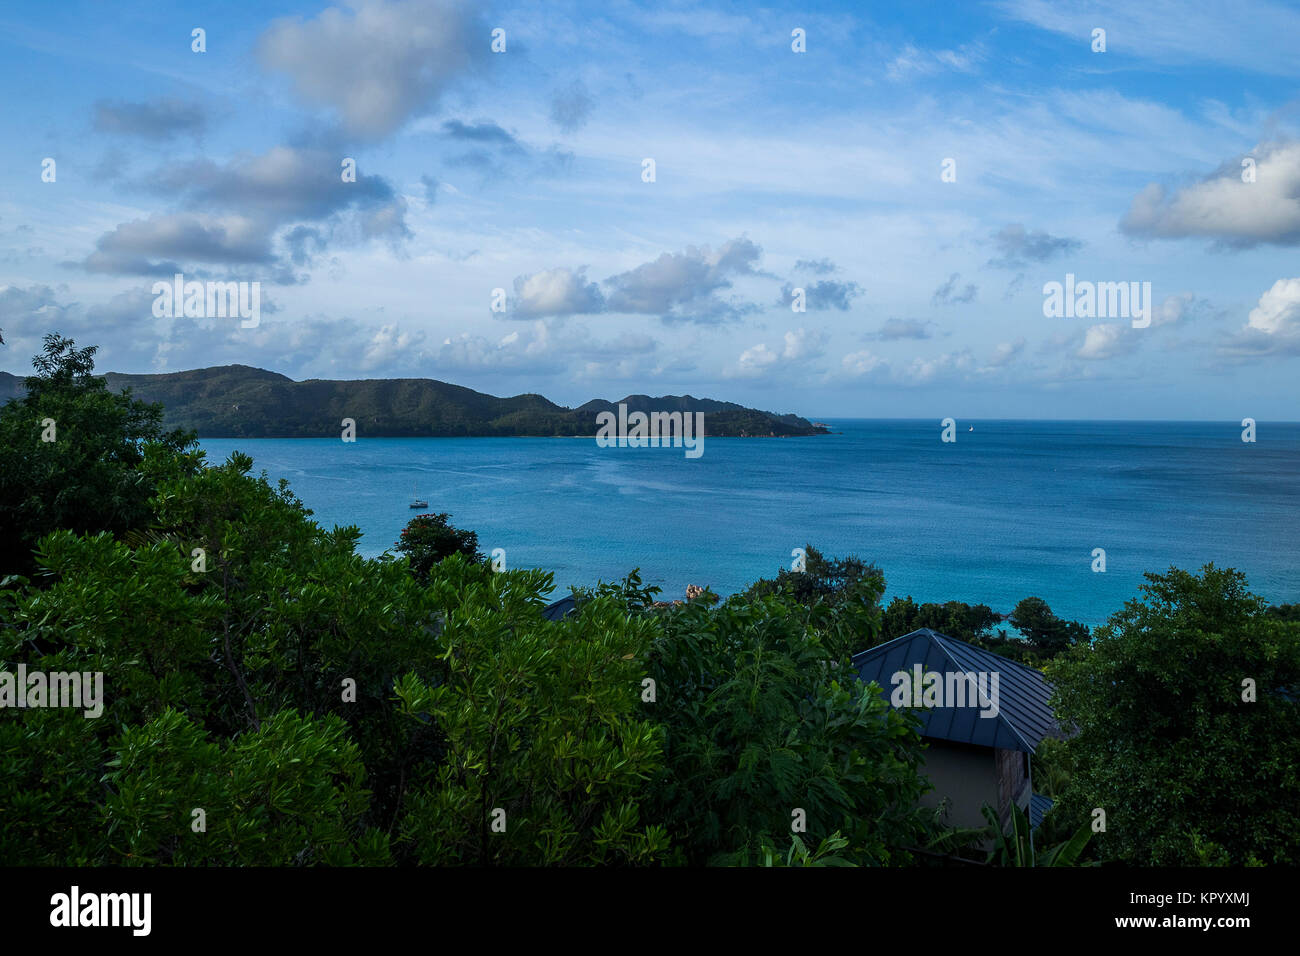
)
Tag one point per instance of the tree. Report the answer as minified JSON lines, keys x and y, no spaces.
{"x":319,"y":707}
{"x":71,"y":453}
{"x":972,"y":623}
{"x":839,"y":597}
{"x":1284,"y":612}
{"x":1186,"y":707}
{"x":1043,"y":629}
{"x":428,"y":539}
{"x":546,"y":746}
{"x":764,"y":726}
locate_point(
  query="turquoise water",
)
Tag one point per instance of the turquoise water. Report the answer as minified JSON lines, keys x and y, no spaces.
{"x":1011,"y":509}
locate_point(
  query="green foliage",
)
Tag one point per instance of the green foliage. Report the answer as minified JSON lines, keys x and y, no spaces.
{"x":972,"y":623}
{"x":1017,"y":846}
{"x":628,"y":593}
{"x":1044,"y":635}
{"x":800,"y":855}
{"x":1043,"y":629}
{"x":428,"y":539}
{"x":838,"y":598}
{"x":541,"y":721}
{"x":757,"y":725}
{"x":1284,"y":612}
{"x":287,"y":794}
{"x":87,"y":479}
{"x":1187,"y":771}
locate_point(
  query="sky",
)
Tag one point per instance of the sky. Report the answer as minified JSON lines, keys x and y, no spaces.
{"x":855,"y":209}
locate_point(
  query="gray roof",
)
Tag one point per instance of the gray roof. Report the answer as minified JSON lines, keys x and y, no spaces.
{"x":1038,"y":805}
{"x":560,"y":609}
{"x":1023,"y":719}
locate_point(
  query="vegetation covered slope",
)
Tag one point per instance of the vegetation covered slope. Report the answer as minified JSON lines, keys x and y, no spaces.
{"x":236,"y":401}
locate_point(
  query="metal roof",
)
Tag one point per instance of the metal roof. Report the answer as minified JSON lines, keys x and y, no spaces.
{"x":560,"y":609}
{"x":1023,"y":719}
{"x":1038,"y":805}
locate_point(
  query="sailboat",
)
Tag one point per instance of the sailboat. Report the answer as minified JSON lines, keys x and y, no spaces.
{"x":416,"y":500}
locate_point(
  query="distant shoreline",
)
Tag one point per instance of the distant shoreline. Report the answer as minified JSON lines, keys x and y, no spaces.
{"x":238,"y":401}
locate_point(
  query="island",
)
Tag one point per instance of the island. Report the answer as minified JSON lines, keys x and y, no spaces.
{"x":238,"y":401}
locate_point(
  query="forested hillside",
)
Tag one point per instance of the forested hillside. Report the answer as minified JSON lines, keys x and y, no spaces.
{"x":236,"y":401}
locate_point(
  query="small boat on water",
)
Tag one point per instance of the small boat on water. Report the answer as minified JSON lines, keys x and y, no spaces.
{"x":416,"y":500}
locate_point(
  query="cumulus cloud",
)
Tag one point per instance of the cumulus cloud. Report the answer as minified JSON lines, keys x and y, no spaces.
{"x":1177,"y":308}
{"x":1273,"y":325}
{"x":676,"y":287}
{"x":1106,"y":342}
{"x":757,"y":358}
{"x":378,"y":64}
{"x":571,"y":107}
{"x":799,"y":346}
{"x":122,"y":326}
{"x":1006,"y":352}
{"x":556,"y":292}
{"x":1017,"y":246}
{"x":1278,"y":311}
{"x":924,"y":370}
{"x":142,"y":247}
{"x":235,"y":211}
{"x":683,"y":286}
{"x":947,"y":293}
{"x":823,"y":294}
{"x":1222,"y":207}
{"x":862,"y":364}
{"x":283,"y":184}
{"x":157,"y":120}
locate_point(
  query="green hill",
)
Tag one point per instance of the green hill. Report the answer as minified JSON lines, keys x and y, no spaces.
{"x":237,"y":401}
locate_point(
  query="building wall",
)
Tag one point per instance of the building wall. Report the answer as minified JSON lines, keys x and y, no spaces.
{"x":965,"y":774}
{"x":1012,"y":783}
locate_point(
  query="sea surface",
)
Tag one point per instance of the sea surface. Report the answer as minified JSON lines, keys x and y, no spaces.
{"x":1008,"y":510}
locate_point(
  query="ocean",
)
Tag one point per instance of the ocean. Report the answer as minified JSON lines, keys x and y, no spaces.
{"x":1008,"y":510}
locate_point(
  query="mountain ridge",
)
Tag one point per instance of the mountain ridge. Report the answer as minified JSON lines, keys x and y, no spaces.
{"x":242,"y":401}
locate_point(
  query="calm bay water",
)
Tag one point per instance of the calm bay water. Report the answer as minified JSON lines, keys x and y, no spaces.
{"x":1011,"y":509}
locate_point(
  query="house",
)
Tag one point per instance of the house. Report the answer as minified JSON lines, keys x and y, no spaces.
{"x":560,"y":609}
{"x":982,"y":717}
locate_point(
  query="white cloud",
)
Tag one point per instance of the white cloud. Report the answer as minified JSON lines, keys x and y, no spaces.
{"x":1104,"y":342}
{"x":1006,"y":352}
{"x":1278,"y":311}
{"x":862,"y":363}
{"x":378,"y":64}
{"x":924,"y":370}
{"x":799,"y":346}
{"x":556,"y":292}
{"x":1225,"y":208}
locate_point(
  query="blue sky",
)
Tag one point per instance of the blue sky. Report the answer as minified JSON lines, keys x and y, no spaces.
{"x":774,"y":171}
